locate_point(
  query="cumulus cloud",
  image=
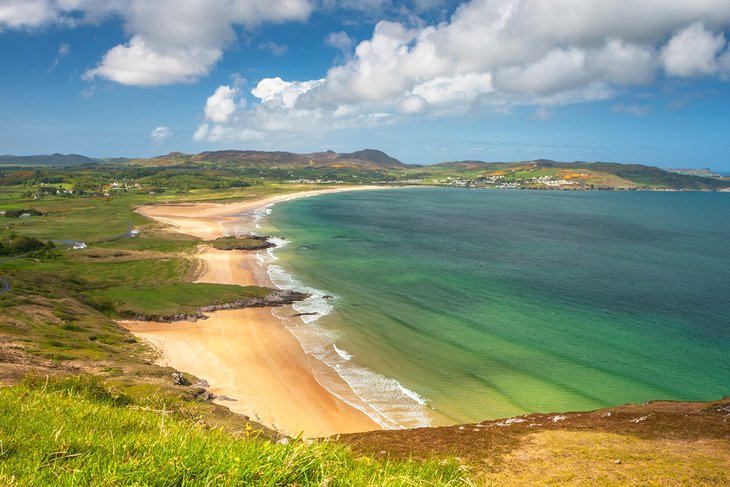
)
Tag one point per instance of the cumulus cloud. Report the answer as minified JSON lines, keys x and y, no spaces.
{"x":177,"y":41}
{"x":170,"y":41}
{"x":161,"y":133}
{"x":494,"y":55}
{"x":693,"y":52}
{"x":221,"y":105}
{"x":27,"y":14}
{"x":138,"y":63}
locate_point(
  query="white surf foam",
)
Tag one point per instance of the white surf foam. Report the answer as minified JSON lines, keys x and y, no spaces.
{"x":385,"y":400}
{"x":342,"y":353}
{"x":312,"y":308}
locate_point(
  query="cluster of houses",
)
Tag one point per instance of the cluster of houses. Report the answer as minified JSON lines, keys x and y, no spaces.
{"x":499,"y":182}
{"x":551,"y":182}
{"x":107,"y":189}
{"x":400,"y":181}
{"x":316,"y":181}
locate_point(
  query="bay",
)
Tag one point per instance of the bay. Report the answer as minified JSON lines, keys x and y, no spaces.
{"x":488,"y":303}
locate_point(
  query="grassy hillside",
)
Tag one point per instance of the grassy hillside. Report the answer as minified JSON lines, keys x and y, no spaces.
{"x":78,"y":431}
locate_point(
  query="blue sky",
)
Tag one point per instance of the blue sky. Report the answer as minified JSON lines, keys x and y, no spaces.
{"x":424,"y":80}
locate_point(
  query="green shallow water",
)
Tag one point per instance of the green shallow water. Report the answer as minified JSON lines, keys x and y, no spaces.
{"x":494,"y":303}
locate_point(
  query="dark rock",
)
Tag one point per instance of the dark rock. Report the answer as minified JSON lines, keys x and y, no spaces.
{"x":277,"y":297}
{"x":203,"y":395}
{"x":305,"y":314}
{"x":168,"y":319}
{"x":201,"y":383}
{"x":226,"y":398}
{"x":179,"y":380}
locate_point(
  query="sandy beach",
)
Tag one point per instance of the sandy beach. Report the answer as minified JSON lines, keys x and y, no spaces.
{"x":247,"y":354}
{"x":212,"y":220}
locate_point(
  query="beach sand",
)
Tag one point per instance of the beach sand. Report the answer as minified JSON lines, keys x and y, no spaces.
{"x":246,"y":354}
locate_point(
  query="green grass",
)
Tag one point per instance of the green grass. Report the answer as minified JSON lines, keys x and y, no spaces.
{"x":90,"y":273}
{"x":83,"y":219}
{"x":171,"y":299}
{"x":77,"y":431}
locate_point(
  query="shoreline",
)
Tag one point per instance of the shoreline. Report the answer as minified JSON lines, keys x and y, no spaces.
{"x":209,"y":221}
{"x":249,"y":354}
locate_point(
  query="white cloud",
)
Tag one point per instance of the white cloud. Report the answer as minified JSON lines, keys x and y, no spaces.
{"x":32,"y":14}
{"x":340,"y":40}
{"x":222,"y":104}
{"x":274,"y":48}
{"x":458,"y":90}
{"x":26,"y":14}
{"x":623,"y":63}
{"x":276,"y":92}
{"x":413,"y":104}
{"x":137,"y":63}
{"x":171,"y":41}
{"x":492,"y":55}
{"x":161,"y":133}
{"x":693,"y":52}
{"x":177,"y":41}
{"x":559,"y":70}
{"x":63,"y":50}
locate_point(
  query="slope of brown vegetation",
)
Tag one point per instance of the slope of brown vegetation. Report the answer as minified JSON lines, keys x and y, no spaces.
{"x":657,"y":443}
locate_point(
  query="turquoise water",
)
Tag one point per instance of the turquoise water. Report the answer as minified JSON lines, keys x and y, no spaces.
{"x":486,"y":304}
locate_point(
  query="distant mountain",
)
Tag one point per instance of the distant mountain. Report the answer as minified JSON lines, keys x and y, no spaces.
{"x":364,"y":159}
{"x":47,"y":160}
{"x":373,"y":156}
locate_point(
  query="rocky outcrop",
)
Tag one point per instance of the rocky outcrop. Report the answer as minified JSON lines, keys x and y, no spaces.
{"x":165,"y":318}
{"x":243,"y":242}
{"x":277,"y":297}
{"x":179,"y":379}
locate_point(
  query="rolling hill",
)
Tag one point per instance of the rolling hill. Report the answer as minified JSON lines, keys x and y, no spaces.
{"x":47,"y":160}
{"x":369,"y":159}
